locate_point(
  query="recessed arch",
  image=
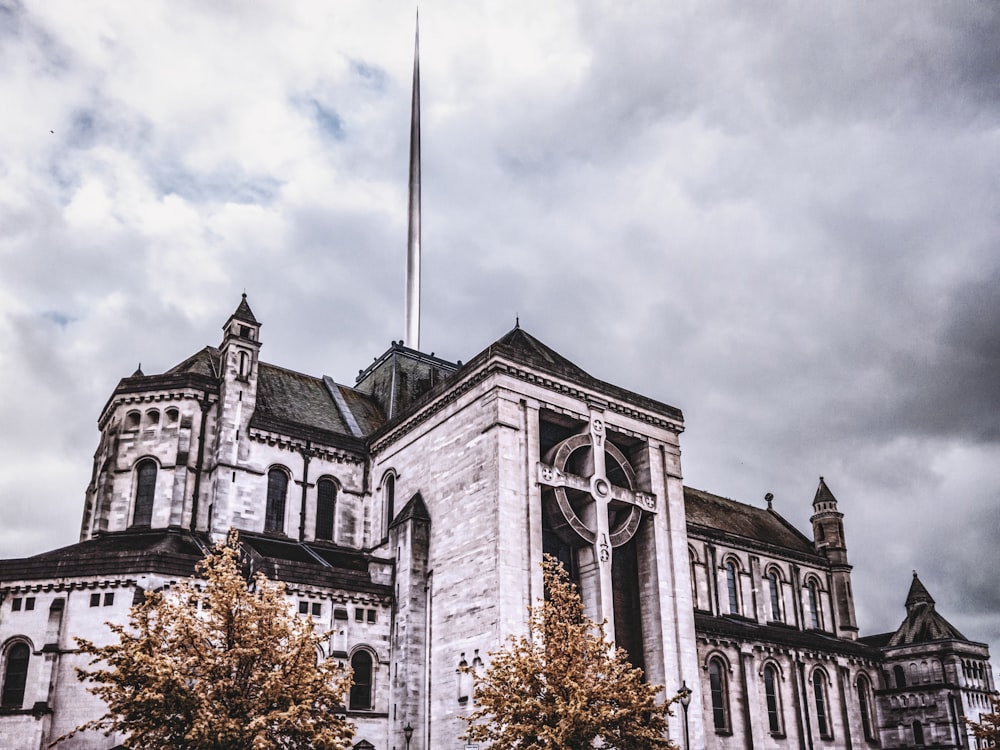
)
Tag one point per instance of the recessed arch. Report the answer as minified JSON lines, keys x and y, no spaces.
{"x":718,"y":684}
{"x":16,"y":656}
{"x":327,"y":490}
{"x":362,"y":691}
{"x":144,"y":494}
{"x":277,"y":495}
{"x":388,"y":486}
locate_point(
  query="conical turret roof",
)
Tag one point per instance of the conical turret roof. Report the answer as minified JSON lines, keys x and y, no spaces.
{"x":244,"y":313}
{"x":923,"y":623}
{"x":918,"y":593}
{"x":823,"y":494}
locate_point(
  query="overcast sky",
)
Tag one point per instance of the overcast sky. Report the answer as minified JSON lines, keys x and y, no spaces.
{"x":782,"y":219}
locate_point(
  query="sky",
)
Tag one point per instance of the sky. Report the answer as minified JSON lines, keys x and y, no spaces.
{"x":780,"y":218}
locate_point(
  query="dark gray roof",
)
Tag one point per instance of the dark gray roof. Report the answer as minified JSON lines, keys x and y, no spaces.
{"x":752,"y":631}
{"x":712,"y":515}
{"x":519,"y":346}
{"x":300,"y":406}
{"x":414,"y":509}
{"x":244,"y":313}
{"x":206,"y":362}
{"x":165,"y":551}
{"x":823,"y":494}
{"x":923,"y":623}
{"x":311,"y":563}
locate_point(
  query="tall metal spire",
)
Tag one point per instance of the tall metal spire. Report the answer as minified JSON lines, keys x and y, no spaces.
{"x":413,"y":234}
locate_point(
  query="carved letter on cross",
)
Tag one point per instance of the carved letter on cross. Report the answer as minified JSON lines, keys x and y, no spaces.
{"x":613,"y":512}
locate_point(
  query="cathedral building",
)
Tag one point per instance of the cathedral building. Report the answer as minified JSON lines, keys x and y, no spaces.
{"x":408,"y":514}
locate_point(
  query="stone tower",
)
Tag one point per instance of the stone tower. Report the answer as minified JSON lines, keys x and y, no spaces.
{"x":828,"y":536}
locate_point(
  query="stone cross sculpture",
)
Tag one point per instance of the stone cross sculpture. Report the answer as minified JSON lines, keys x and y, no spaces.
{"x":611,"y":514}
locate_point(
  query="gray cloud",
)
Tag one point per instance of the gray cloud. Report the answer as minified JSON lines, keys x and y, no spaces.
{"x":780,"y":219}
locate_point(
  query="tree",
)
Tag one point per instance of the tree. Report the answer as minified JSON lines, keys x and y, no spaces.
{"x":987,"y":729}
{"x":564,"y":687}
{"x":218,"y":663}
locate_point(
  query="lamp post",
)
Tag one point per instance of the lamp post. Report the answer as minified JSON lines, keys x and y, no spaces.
{"x":685,"y":696}
{"x":408,"y":734}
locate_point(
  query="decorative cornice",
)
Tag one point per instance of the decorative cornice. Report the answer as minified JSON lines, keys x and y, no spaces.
{"x":394,"y":432}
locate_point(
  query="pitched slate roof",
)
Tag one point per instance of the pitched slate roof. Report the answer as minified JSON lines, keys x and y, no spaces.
{"x":519,"y":346}
{"x":311,"y":563}
{"x":749,"y":630}
{"x":713,"y":515}
{"x":302,"y":406}
{"x":923,"y":623}
{"x":166,"y":551}
{"x":823,"y":494}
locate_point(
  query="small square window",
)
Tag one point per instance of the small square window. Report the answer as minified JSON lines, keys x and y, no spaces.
{"x":371,"y":615}
{"x":109,"y":599}
{"x":95,"y":600}
{"x":15,"y":604}
{"x":359,"y":615}
{"x":317,"y":609}
{"x":29,"y":604}
{"x":303,"y":608}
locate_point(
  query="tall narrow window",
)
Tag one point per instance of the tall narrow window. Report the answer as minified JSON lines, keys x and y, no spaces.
{"x":918,"y":733}
{"x":717,"y":687}
{"x":819,"y":689}
{"x":774,"y":584}
{"x":15,"y":675}
{"x":145,"y":490}
{"x":389,"y":488}
{"x":814,"y":617}
{"x":773,"y":699}
{"x":864,"y":705}
{"x":277,"y":490}
{"x":733,"y":585}
{"x":326,"y":504}
{"x":361,"y":689}
{"x":899,"y":675}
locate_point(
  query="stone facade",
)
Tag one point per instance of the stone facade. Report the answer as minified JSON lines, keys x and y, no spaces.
{"x":408,"y":514}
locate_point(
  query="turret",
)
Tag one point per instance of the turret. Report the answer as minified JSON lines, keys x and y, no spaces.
{"x":828,"y":537}
{"x":240,"y":351}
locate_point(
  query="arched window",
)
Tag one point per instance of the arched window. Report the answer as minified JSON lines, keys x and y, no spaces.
{"x":774,"y":589}
{"x":899,"y":675}
{"x":814,"y":614}
{"x":732,"y":584}
{"x":773,"y":696}
{"x":15,"y":675}
{"x":693,"y":567}
{"x":326,"y":505}
{"x":277,"y":491}
{"x":864,"y":705}
{"x":822,"y":715}
{"x":918,"y":733}
{"x":145,"y":491}
{"x":389,"y":497}
{"x":720,"y":695}
{"x":361,"y":689}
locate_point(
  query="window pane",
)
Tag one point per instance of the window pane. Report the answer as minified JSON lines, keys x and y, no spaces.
{"x":771,"y":692}
{"x":326,"y":497}
{"x":775,"y":596}
{"x":277,"y":488}
{"x":145,"y":489}
{"x":813,"y":605}
{"x":866,"y":719}
{"x":361,"y":690}
{"x":15,"y":675}
{"x":734,"y":599}
{"x":818,"y":688}
{"x":717,"y":686}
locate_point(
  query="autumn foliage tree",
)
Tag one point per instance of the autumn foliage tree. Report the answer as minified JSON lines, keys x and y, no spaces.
{"x":563,"y":687}
{"x":987,"y":729}
{"x":218,"y":663}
